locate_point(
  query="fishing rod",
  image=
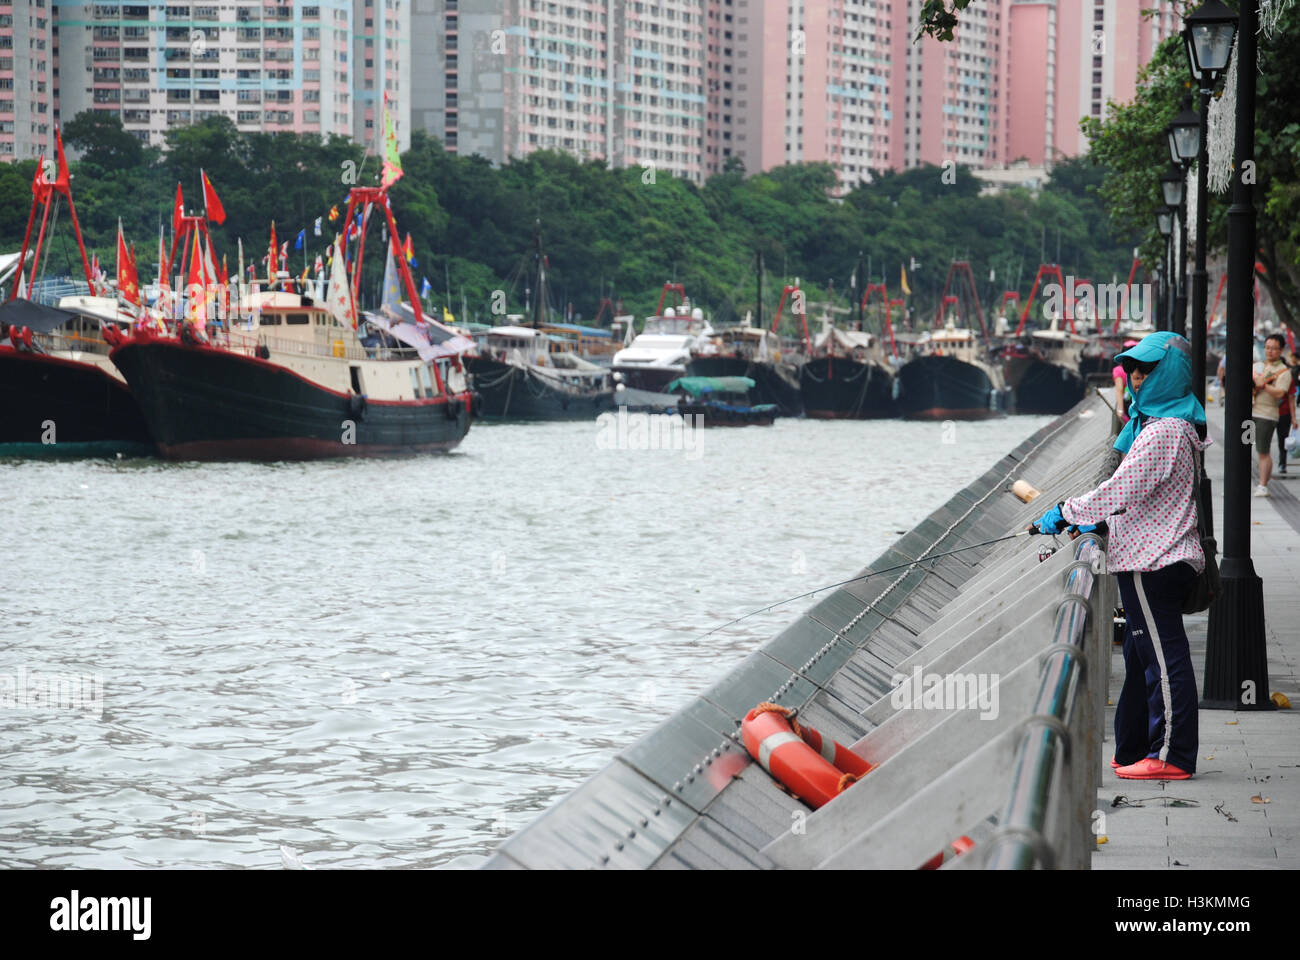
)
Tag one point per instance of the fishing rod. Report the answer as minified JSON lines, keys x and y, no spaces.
{"x":867,"y":576}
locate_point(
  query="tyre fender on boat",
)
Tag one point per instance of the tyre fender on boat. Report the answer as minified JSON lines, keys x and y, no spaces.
{"x":814,"y":768}
{"x":454,"y":408}
{"x":357,"y":406}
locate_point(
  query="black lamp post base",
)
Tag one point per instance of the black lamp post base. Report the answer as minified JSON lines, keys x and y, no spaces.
{"x":1236,"y":664}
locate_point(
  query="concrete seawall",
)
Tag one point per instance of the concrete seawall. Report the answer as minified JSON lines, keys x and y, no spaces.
{"x":687,"y":795}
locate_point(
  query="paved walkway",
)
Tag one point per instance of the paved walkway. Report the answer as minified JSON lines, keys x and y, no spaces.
{"x":1242,"y":809}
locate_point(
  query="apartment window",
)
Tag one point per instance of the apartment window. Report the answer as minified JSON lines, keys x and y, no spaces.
{"x":205,"y":13}
{"x":178,"y":116}
{"x":247,"y":116}
{"x":248,"y":96}
{"x":135,"y":96}
{"x":135,"y":12}
{"x":178,"y":13}
{"x":209,"y":96}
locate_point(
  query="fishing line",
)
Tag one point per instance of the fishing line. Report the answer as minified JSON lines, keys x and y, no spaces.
{"x":867,"y":576}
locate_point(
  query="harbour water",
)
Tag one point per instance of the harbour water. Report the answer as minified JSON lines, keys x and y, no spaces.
{"x":398,"y":663}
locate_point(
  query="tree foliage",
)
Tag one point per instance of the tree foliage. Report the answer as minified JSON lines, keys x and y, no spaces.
{"x":1130,"y":144}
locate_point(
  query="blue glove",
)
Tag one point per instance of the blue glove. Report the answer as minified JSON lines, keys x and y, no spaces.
{"x":1052,"y":521}
{"x":1084,"y":527}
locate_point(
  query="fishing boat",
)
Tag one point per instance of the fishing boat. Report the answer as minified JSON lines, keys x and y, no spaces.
{"x":950,"y":376}
{"x":660,"y":352}
{"x":721,"y":401}
{"x":950,"y":379}
{"x":523,"y":373}
{"x":749,"y":351}
{"x":294,"y":380}
{"x":526,"y":373}
{"x":1043,"y":370}
{"x":848,"y":376}
{"x":60,"y":393}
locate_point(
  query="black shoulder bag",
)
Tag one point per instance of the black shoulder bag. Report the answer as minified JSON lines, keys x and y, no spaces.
{"x":1206,"y":585}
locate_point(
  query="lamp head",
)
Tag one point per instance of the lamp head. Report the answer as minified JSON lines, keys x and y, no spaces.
{"x":1208,"y":34}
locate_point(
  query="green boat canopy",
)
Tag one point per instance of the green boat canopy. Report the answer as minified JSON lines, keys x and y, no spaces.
{"x":698,"y":386}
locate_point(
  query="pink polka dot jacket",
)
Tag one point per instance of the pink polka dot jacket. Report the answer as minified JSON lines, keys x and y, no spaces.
{"x":1153,"y":488}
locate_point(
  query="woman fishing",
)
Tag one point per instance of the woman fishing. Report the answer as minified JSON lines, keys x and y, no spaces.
{"x":1155,"y":551}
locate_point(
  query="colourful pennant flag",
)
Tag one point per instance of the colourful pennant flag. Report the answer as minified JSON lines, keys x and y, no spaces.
{"x":391,"y":170}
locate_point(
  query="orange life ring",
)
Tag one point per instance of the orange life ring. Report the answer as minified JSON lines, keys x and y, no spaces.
{"x":812,"y":767}
{"x":951,"y":852}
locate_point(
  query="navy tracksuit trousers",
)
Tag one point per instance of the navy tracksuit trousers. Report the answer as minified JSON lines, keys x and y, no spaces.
{"x":1157,"y":711}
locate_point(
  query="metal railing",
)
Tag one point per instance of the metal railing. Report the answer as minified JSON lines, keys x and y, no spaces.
{"x":1047,"y":822}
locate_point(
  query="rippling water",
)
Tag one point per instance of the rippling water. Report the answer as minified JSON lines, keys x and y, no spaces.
{"x":398,"y":663}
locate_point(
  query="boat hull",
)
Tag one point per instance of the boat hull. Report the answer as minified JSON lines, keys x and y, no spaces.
{"x":771,"y":383}
{"x":652,"y":379}
{"x":58,"y":407}
{"x":945,"y":388}
{"x":205,"y":403}
{"x":508,"y":391}
{"x":721,"y":415}
{"x":1042,"y":387}
{"x":838,"y":388}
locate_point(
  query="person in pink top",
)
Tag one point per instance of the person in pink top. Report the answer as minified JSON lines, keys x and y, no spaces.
{"x":1154,"y":549}
{"x":1120,"y":379}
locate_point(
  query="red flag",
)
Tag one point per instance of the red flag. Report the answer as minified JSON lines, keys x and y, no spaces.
{"x":211,"y":203}
{"x":40,"y":186}
{"x":195,"y":288}
{"x":128,"y":284}
{"x":178,"y":209}
{"x":62,"y":179}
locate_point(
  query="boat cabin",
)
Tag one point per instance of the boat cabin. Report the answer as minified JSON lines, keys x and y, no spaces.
{"x":951,"y":341}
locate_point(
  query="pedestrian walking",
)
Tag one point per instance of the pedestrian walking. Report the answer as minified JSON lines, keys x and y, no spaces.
{"x":1272,"y":383}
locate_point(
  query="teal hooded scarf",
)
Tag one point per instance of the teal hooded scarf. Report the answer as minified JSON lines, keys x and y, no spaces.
{"x":1167,"y":392}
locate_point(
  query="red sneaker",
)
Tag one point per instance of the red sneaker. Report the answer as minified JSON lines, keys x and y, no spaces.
{"x":1114,"y":764}
{"x":1150,"y":768}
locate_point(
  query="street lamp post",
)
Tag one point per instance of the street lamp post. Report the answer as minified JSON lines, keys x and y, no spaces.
{"x":1236,"y":662}
{"x":1165,"y":224}
{"x":1171,"y":186}
{"x":1207,"y":41}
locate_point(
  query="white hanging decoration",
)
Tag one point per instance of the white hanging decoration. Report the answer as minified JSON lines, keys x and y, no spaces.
{"x":1222,"y":124}
{"x":1189,"y":191}
{"x":1270,"y":11}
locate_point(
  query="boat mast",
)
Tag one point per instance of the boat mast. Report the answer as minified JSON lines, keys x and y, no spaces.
{"x":858,"y":286}
{"x":539,"y":300}
{"x":759,"y":312}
